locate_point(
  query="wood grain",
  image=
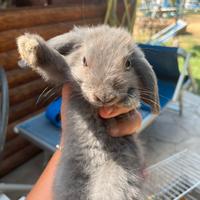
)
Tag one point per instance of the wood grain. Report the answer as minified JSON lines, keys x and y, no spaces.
{"x":14,"y":145}
{"x":18,"y":158}
{"x":22,"y":109}
{"x":23,"y":18}
{"x":26,"y":91}
{"x":19,"y":76}
{"x":9,"y":59}
{"x":8,"y":38}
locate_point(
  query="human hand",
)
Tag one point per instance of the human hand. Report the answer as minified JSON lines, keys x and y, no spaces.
{"x":120,"y":128}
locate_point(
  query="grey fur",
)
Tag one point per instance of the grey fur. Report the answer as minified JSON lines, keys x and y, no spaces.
{"x":94,"y":165}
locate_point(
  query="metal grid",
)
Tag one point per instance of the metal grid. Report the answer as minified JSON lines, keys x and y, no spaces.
{"x":174,"y":178}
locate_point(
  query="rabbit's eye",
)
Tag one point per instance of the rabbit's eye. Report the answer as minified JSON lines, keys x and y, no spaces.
{"x":85,"y":62}
{"x":128,"y":65}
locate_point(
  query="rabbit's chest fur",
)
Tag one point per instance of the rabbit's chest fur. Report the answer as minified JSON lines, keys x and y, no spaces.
{"x":94,"y":165}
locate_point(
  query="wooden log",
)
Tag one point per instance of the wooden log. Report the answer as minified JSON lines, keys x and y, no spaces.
{"x":14,"y":145}
{"x":22,"y":3}
{"x":18,"y":158}
{"x":26,"y":91}
{"x":23,"y":18}
{"x":8,"y":38}
{"x":9,"y":59}
{"x":80,"y":2}
{"x":21,"y":110}
{"x":10,"y":134}
{"x":26,"y":107}
{"x":19,"y":76}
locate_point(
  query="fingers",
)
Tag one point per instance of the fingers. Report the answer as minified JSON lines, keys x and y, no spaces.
{"x":66,"y":91}
{"x":113,"y":111}
{"x":126,"y":127}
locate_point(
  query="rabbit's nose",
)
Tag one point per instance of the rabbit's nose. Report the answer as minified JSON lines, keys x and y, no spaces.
{"x":105,"y":99}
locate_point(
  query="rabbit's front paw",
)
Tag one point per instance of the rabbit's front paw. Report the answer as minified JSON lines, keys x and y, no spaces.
{"x":28,"y":47}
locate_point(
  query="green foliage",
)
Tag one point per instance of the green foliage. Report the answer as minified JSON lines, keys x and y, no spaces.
{"x":190,"y":41}
{"x":192,"y":44}
{"x":128,"y":17}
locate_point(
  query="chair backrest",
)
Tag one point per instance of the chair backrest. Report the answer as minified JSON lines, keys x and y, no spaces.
{"x":164,"y":61}
{"x":4,"y":107}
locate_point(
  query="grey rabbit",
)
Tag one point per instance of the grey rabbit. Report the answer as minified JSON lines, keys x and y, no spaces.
{"x":105,"y":67}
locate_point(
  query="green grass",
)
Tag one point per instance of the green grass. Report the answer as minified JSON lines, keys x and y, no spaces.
{"x":192,"y":44}
{"x":190,"y":41}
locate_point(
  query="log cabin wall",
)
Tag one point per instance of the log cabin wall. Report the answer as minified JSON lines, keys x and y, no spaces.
{"x":20,"y":3}
{"x":24,"y":85}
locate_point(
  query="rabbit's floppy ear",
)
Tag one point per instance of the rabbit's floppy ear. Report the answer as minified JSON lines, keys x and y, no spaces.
{"x":66,"y":43}
{"x":147,"y":80}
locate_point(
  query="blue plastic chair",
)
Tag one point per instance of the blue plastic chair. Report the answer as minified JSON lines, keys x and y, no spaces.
{"x":164,"y":60}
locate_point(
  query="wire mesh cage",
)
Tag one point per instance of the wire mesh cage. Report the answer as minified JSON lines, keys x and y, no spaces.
{"x":177,"y":177}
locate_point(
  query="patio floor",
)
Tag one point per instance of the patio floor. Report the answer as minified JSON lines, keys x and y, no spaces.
{"x":171,"y":133}
{"x":167,"y":135}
